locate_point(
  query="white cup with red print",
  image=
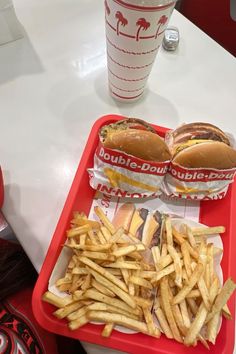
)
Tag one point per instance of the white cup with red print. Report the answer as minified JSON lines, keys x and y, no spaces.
{"x":134,"y":33}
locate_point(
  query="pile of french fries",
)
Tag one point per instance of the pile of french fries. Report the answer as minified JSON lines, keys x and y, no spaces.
{"x":109,"y":280}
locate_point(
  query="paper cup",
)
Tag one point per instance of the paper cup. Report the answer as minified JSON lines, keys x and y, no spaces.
{"x":134,"y":33}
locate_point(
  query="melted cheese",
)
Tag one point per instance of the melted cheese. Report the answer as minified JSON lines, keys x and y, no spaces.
{"x":182,"y":146}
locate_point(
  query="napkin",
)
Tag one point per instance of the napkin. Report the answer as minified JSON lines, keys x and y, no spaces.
{"x":10,"y":27}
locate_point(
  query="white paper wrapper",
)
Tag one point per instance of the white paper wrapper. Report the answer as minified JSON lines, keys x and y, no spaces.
{"x":134,"y":33}
{"x":197,"y":183}
{"x":119,"y":174}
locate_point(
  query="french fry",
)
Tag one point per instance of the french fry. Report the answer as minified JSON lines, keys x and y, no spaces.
{"x":80,"y":271}
{"x":149,"y":320}
{"x":56,"y":300}
{"x":156,"y":256}
{"x":169,"y":236}
{"x":188,"y":287}
{"x":203,"y":341}
{"x":204,"y":293}
{"x":192,"y":305}
{"x":143,"y":302}
{"x":100,"y":306}
{"x":76,"y":283}
{"x":226,"y":312}
{"x":101,"y":288}
{"x":180,"y":239}
{"x":168,"y":309}
{"x":117,"y":235}
{"x":77,"y":314}
{"x":222,"y":298}
{"x":190,"y":236}
{"x":98,"y":255}
{"x":212,"y":327}
{"x":103,"y":272}
{"x":163,"y":322}
{"x":77,"y":231}
{"x":193,"y":294}
{"x":65,"y":311}
{"x":135,"y":255}
{"x":96,"y":295}
{"x":196,"y":325}
{"x":120,"y":320}
{"x":164,"y":250}
{"x":83,"y":239}
{"x":106,"y":233}
{"x":123,"y":251}
{"x":81,"y":321}
{"x":114,"y":288}
{"x":92,"y":248}
{"x":177,"y":265}
{"x":93,"y":237}
{"x":78,"y":295}
{"x":107,"y":330}
{"x":114,"y":271}
{"x":184,"y":313}
{"x":197,"y":231}
{"x":104,"y":220}
{"x":131,"y":288}
{"x":147,"y":274}
{"x":140,"y":281}
{"x":100,"y":237}
{"x":186,"y":258}
{"x":179,"y":319}
{"x":214,"y":289}
{"x":162,"y":273}
{"x":124,"y":265}
{"x":86,"y":284}
{"x":164,"y":261}
{"x":63,"y":281}
{"x":210,"y":254}
{"x":81,"y":221}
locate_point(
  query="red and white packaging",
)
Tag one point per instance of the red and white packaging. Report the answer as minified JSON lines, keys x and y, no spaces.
{"x":119,"y":174}
{"x":197,"y":183}
{"x":134,"y":33}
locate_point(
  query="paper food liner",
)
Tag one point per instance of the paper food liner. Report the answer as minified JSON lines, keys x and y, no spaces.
{"x":119,"y":174}
{"x":197,"y":183}
{"x":66,"y":254}
{"x":174,"y":207}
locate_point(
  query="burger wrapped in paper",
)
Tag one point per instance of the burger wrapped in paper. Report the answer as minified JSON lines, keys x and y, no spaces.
{"x":131,"y":160}
{"x":203,"y":162}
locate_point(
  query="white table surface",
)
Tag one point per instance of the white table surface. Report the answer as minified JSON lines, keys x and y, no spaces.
{"x":53,"y":87}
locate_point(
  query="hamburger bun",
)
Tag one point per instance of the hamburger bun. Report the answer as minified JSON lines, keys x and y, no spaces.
{"x":197,"y":131}
{"x":201,"y":145}
{"x":209,"y":154}
{"x":135,"y":138}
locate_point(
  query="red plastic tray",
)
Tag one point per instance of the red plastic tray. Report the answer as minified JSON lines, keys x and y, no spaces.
{"x":80,"y":198}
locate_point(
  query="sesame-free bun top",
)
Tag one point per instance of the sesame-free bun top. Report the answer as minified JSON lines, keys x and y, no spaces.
{"x":209,"y":154}
{"x":137,"y":138}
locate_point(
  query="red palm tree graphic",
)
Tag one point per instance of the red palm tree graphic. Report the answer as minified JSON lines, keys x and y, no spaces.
{"x":107,"y":8}
{"x":162,"y":21}
{"x":143,"y":24}
{"x":121,"y":20}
